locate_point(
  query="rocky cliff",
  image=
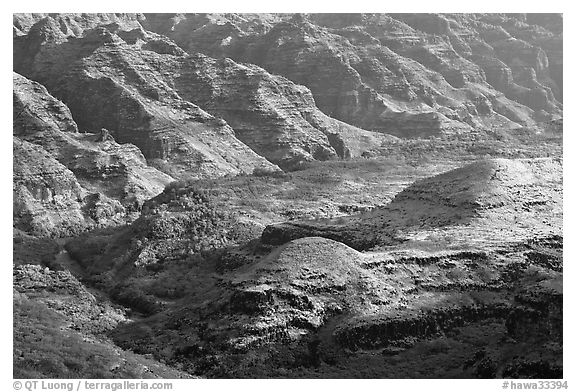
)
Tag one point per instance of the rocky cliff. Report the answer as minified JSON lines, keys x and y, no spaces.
{"x":104,"y":173}
{"x":417,"y":76}
{"x":96,"y":159}
{"x":409,"y":75}
{"x":287,"y":195}
{"x":108,"y":83}
{"x":145,"y":90}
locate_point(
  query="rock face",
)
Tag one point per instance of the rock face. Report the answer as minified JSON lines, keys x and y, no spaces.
{"x":35,"y":110}
{"x":46,"y":194}
{"x":98,"y":162}
{"x":180,"y":185}
{"x":74,"y":24}
{"x":131,"y":97}
{"x":88,"y":179}
{"x":409,"y":75}
{"x":275,"y":117}
{"x":149,"y":91}
{"x":416,"y":76}
{"x":48,"y":199}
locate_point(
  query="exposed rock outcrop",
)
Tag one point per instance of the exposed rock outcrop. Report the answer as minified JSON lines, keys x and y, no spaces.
{"x":414,"y":75}
{"x":131,"y":97}
{"x":157,"y":235}
{"x":98,"y":162}
{"x":75,"y":24}
{"x":49,"y":201}
{"x":275,"y":117}
{"x":158,"y":88}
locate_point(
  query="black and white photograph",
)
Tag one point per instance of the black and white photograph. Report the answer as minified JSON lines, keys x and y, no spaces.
{"x":316,"y":195}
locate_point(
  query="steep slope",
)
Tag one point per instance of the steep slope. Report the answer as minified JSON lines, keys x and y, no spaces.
{"x":409,"y":75}
{"x":471,"y":49}
{"x":49,"y":201}
{"x":98,"y":162}
{"x":152,"y":94}
{"x":270,"y":113}
{"x":74,"y":24}
{"x":156,"y":236}
{"x":132,"y":98}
